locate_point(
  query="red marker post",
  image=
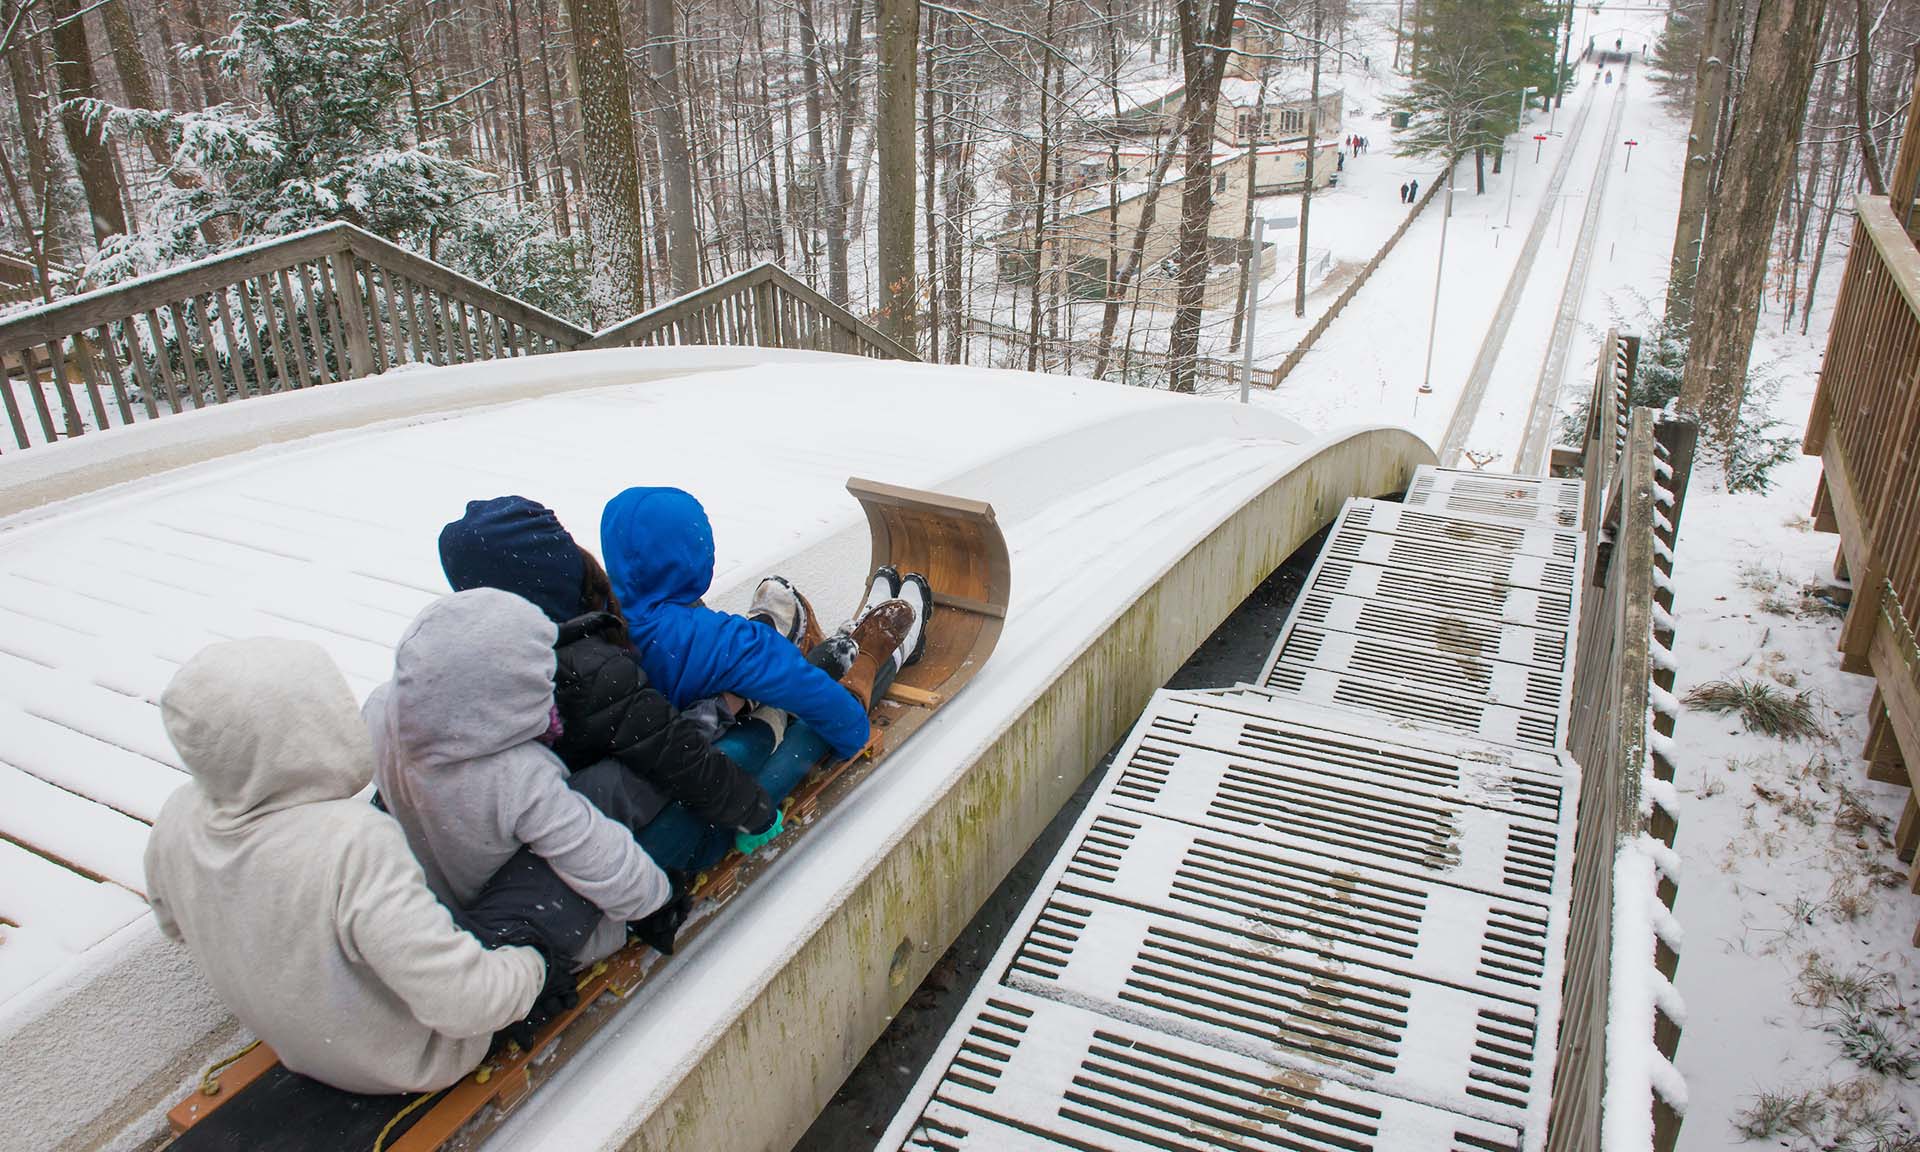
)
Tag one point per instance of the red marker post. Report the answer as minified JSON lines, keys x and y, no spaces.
{"x":1631,"y":145}
{"x":1537,"y":142}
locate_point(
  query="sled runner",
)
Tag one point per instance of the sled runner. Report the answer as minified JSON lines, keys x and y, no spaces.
{"x":250,"y":1102}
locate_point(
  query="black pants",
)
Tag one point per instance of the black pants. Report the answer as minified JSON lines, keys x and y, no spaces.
{"x":526,"y":891}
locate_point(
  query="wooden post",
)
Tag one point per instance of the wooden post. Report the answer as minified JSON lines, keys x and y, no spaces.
{"x":353,"y":309}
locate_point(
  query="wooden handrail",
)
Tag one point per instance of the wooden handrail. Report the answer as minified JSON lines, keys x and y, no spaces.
{"x":676,"y":321}
{"x":441,"y":278}
{"x":336,"y":303}
{"x":1625,"y":616}
{"x":1865,"y":427}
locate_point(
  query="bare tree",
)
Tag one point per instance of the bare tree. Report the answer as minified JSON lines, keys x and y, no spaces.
{"x":613,"y":172}
{"x":1755,"y":172}
{"x":669,"y":128}
{"x":899,"y":31}
{"x":1204,"y":39}
{"x":92,"y":157}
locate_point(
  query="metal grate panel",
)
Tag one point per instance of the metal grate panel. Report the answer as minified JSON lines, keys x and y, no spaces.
{"x":1319,"y":810}
{"x":1531,"y":499}
{"x":1359,"y":546}
{"x":1456,"y":674}
{"x":1084,"y":1080}
{"x":1484,"y":599}
{"x":1411,"y":702}
{"x":1436,"y":630}
{"x":1268,"y":1001}
{"x":1508,"y":537}
{"x":1359,"y":915}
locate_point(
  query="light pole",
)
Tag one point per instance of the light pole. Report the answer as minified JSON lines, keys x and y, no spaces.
{"x":1433,"y":321}
{"x":1252,"y":306}
{"x":1514,"y":176}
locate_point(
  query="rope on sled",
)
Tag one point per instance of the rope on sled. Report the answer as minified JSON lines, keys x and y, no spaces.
{"x":380,"y":1141}
{"x":210,"y":1079}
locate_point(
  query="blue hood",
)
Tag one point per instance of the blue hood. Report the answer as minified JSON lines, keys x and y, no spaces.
{"x":657,"y":545}
{"x":658,"y":548}
{"x":516,"y":545}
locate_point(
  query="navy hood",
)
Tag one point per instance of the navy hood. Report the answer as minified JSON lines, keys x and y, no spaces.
{"x":658,"y":548}
{"x":516,"y":545}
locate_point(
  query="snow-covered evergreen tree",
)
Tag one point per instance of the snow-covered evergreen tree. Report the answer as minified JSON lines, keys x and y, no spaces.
{"x":324,"y":143}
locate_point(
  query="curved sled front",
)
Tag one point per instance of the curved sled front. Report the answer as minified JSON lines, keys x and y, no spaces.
{"x":957,"y":545}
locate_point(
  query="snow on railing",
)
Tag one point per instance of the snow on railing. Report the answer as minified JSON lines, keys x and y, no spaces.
{"x":1616,"y":1088}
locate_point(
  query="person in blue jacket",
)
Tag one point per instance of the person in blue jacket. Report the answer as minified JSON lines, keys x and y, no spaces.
{"x":657,"y":545}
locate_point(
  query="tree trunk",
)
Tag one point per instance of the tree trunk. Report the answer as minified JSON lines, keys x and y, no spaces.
{"x":1149,"y":210}
{"x":1042,"y":192}
{"x":1862,"y":96}
{"x":613,"y":182}
{"x":928,"y":145}
{"x":1840,"y":172}
{"x":1733,"y":262}
{"x":556,"y":176}
{"x":676,"y":163}
{"x":816,"y":135}
{"x":1306,"y":190}
{"x":31,"y":111}
{"x":899,"y":32}
{"x":1696,"y":179}
{"x":210,"y":91}
{"x":839,"y":178}
{"x":1203,"y":57}
{"x":73,"y":72}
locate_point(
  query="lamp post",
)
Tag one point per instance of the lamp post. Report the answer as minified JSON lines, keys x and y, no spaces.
{"x":1252,"y":303}
{"x":1252,"y":306}
{"x":1514,"y":176}
{"x":1433,"y":321}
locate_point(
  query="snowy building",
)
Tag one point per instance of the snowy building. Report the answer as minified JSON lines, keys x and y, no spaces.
{"x":1243,"y":114}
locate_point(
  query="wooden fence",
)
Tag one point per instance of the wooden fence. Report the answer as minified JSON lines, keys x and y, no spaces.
{"x":1636,"y":466}
{"x":336,"y":303}
{"x":764,"y":306}
{"x":1865,"y":427}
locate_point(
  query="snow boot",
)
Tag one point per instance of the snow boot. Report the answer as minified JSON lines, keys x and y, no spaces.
{"x":780,"y":606}
{"x":885,"y":585}
{"x":915,"y":590}
{"x":834,"y":655}
{"x":878,"y":637}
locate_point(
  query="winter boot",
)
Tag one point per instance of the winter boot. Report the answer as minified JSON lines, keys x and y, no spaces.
{"x":885,"y":585}
{"x":878,"y":636}
{"x":915,"y":590}
{"x":779,"y":605}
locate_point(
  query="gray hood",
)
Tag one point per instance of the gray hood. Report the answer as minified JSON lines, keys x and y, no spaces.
{"x":265,"y":725}
{"x":472,"y":676}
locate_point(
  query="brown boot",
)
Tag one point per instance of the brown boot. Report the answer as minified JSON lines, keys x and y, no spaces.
{"x":878,"y":635}
{"x":810,"y":633}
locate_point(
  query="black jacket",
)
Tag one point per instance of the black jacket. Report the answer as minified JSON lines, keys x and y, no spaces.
{"x":607,"y":709}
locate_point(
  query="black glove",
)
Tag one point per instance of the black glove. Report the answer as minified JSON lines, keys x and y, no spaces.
{"x":656,"y":930}
{"x":558,"y":995}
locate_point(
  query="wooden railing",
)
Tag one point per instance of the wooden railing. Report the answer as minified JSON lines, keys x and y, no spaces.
{"x":763,"y":306}
{"x":1865,"y":427}
{"x":337,"y":303}
{"x":1622,"y":722}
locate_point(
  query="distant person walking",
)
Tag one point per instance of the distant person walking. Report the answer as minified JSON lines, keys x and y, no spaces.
{"x":1413,"y":191}
{"x":1404,"y":198}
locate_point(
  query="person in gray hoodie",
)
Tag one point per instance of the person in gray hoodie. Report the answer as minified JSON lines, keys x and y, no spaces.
{"x":461,"y":759}
{"x":299,"y":901}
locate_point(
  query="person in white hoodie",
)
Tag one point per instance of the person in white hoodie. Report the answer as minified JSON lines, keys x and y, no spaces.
{"x":300,"y":902}
{"x":462,"y":762}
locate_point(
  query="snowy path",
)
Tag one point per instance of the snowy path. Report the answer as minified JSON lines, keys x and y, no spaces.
{"x":1553,"y":370}
{"x":1468,"y":409}
{"x":1368,"y":365}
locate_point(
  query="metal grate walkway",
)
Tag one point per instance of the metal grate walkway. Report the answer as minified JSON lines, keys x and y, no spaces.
{"x":1324,"y":912}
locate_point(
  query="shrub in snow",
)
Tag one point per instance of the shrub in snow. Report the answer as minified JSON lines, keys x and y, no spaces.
{"x":327,"y":145}
{"x":1761,"y":444}
{"x":1761,"y":707}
